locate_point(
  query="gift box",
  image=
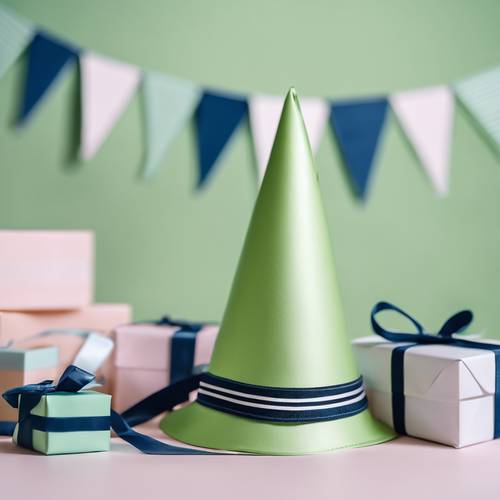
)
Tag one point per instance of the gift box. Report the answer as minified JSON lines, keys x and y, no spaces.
{"x":448,"y":391}
{"x":23,"y":329}
{"x":46,"y":270}
{"x":24,"y":366}
{"x":149,"y":356}
{"x":63,"y":418}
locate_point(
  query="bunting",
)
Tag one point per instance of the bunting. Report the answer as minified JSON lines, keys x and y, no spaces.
{"x":217,"y":117}
{"x":480,"y":94}
{"x":47,"y":57}
{"x":168,"y":105}
{"x":358,"y":126}
{"x":426,"y":116}
{"x":107,"y":87}
{"x":15,"y":35}
{"x":265,"y":111}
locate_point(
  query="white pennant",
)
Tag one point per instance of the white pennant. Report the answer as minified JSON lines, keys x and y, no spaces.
{"x":426,"y":116}
{"x":265,"y":112}
{"x":107,"y":87}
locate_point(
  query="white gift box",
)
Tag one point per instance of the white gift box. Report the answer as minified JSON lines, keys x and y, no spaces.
{"x":449,"y":391}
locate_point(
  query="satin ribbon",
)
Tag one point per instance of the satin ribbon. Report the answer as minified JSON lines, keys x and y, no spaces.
{"x":282,"y":404}
{"x":93,"y":353}
{"x":75,"y":379}
{"x":182,"y":348}
{"x":454,"y":325}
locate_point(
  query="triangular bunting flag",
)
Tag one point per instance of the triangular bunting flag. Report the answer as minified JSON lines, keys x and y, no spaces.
{"x":426,"y":116}
{"x":168,"y":104}
{"x":480,"y":94}
{"x":15,"y":35}
{"x":265,"y":112}
{"x":217,"y":117}
{"x":107,"y":87}
{"x":358,"y":126}
{"x":47,"y":58}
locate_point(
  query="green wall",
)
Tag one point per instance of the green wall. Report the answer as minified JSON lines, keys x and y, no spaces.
{"x":162,"y":246}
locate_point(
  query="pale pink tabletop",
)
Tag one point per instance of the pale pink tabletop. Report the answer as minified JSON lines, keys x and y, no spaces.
{"x":404,"y":469}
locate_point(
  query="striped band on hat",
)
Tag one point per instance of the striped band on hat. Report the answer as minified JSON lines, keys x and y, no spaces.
{"x":276,"y":404}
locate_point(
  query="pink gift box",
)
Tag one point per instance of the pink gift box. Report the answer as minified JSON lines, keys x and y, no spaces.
{"x":42,"y":270}
{"x":142,"y":359}
{"x":19,"y":327}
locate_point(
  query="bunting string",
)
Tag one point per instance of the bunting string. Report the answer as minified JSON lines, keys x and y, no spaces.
{"x":426,"y":115}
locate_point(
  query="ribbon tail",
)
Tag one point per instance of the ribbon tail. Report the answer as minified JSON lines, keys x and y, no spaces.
{"x":7,"y":428}
{"x":147,"y":444}
{"x":159,"y":402}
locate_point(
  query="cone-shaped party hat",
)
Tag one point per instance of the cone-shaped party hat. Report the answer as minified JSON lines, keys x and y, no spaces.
{"x":282,"y":379}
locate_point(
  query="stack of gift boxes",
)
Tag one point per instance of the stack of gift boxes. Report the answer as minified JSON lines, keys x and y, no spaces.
{"x":46,"y":295}
{"x":447,"y":391}
{"x":46,"y":284}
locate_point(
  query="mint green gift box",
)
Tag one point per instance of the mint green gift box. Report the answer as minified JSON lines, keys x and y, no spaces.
{"x":68,"y":404}
{"x":64,"y":417}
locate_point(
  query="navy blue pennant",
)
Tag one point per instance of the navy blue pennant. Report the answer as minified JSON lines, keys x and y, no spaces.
{"x":358,"y":126}
{"x":217,"y":117}
{"x":47,"y":56}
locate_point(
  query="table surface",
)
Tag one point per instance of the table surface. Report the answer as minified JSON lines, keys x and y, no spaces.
{"x":405,"y":468}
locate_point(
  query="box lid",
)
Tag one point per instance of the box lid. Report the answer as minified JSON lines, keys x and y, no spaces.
{"x":438,"y":372}
{"x":28,"y":359}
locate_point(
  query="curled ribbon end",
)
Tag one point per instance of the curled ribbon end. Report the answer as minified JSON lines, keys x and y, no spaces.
{"x":456,"y":324}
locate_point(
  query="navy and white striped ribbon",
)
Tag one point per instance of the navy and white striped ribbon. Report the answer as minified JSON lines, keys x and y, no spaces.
{"x":282,"y":404}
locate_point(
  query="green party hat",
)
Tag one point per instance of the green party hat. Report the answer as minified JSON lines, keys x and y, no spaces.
{"x":283,"y":328}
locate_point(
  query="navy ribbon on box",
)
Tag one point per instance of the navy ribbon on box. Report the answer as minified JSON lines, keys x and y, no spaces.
{"x":182,"y":347}
{"x":73,"y":380}
{"x":25,"y":398}
{"x":455,"y":324}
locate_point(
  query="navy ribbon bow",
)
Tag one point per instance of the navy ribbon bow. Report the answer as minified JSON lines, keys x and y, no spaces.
{"x":455,"y":324}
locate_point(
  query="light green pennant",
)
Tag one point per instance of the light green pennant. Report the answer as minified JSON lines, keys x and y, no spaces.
{"x":480,"y":94}
{"x":15,"y":34}
{"x":168,"y":104}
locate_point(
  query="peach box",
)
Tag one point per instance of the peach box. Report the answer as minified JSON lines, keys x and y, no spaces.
{"x":24,"y":366}
{"x":21,"y":328}
{"x":42,"y":270}
{"x":143,"y":359}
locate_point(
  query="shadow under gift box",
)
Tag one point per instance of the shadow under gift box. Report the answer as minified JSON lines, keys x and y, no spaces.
{"x":25,"y":366}
{"x":68,"y":404}
{"x":448,"y":390}
{"x":46,"y":270}
{"x":143,"y":359}
{"x":19,"y":327}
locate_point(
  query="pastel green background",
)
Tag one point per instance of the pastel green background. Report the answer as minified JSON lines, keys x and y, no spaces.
{"x":164,"y":247}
